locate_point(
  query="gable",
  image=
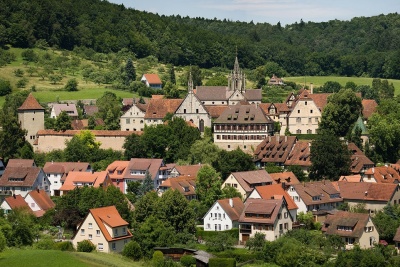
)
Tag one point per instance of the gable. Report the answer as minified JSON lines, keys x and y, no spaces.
{"x":191,"y":104}
{"x":236,"y":96}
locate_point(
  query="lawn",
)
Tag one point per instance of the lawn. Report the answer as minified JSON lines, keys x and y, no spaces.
{"x":320,"y":80}
{"x":44,"y":258}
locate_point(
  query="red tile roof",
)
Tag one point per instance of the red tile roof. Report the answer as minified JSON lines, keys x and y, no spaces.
{"x":322,"y":189}
{"x":357,"y":221}
{"x":288,"y":178}
{"x":233,"y":211}
{"x":276,"y":191}
{"x":320,"y":100}
{"x":300,"y":154}
{"x":269,"y":207}
{"x":384,"y":174}
{"x":42,"y":199}
{"x":249,"y":179}
{"x":152,"y":78}
{"x":210,"y":93}
{"x":21,"y":163}
{"x":30,"y":103}
{"x":158,"y":108}
{"x":367,"y":191}
{"x":243,"y":114}
{"x":140,"y":164}
{"x":109,"y":216}
{"x":189,"y":170}
{"x":275,"y":148}
{"x":95,"y":132}
{"x":186,"y":185}
{"x":95,"y":179}
{"x":369,"y":107}
{"x":19,"y":176}
{"x":215,"y":111}
{"x":117,"y":169}
{"x":16,"y":201}
{"x":351,"y":178}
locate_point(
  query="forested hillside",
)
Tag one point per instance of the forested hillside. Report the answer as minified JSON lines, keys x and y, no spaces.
{"x":360,"y":47}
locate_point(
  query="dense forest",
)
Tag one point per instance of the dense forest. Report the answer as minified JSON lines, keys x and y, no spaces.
{"x":363,"y":46}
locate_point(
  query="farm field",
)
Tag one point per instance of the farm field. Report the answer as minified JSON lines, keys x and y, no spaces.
{"x":320,"y":80}
{"x":44,"y":258}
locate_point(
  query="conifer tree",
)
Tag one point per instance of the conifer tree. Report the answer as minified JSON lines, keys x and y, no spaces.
{"x":130,"y":72}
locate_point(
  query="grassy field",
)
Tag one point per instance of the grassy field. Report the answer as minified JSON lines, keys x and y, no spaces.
{"x":320,"y":80}
{"x":44,"y":258}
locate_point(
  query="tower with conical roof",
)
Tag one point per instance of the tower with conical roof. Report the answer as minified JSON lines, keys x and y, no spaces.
{"x":31,"y":118}
{"x":237,"y":79}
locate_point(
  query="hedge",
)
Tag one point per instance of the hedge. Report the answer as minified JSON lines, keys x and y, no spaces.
{"x":222,"y":262}
{"x":239,"y":256}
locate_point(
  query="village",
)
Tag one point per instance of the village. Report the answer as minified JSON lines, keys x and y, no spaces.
{"x":257,"y":202}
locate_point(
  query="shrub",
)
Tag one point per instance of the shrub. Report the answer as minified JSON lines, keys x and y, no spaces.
{"x":3,"y":241}
{"x":85,"y":246}
{"x":45,"y":244}
{"x":64,"y":246}
{"x":132,"y":250}
{"x":187,"y":260}
{"x":5,"y":87}
{"x":222,"y":262}
{"x":72,"y":85}
{"x":22,"y":83}
{"x":158,"y":259}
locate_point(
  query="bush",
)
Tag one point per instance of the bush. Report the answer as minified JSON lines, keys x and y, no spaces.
{"x":222,"y":262}
{"x":132,"y":250}
{"x":22,"y":83}
{"x":158,"y":259}
{"x":64,"y":246}
{"x":72,"y":85}
{"x":187,"y":260}
{"x":45,"y":244}
{"x":3,"y":241}
{"x":85,"y":246}
{"x":5,"y":87}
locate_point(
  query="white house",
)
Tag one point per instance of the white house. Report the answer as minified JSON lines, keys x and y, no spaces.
{"x":39,"y":202}
{"x":70,"y":109}
{"x":13,"y":202}
{"x":56,"y":172}
{"x":268,"y":216}
{"x":105,"y":228}
{"x":152,"y":80}
{"x":223,"y":215}
{"x":133,"y":118}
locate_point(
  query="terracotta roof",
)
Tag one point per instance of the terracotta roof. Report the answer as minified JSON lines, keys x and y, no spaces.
{"x":288,"y":178}
{"x":19,"y":176}
{"x":158,"y":108}
{"x":280,"y":108}
{"x":324,"y":190}
{"x":42,"y":199}
{"x":359,"y":163}
{"x":65,"y":167}
{"x":369,"y":107}
{"x":30,"y":103}
{"x":243,"y":114}
{"x":69,"y":108}
{"x":95,"y":132}
{"x":139,"y":164}
{"x":249,"y":179}
{"x":357,"y":221}
{"x":83,"y":124}
{"x":109,"y":216}
{"x":275,"y":80}
{"x":268,"y":207}
{"x":189,"y":170}
{"x":275,"y":148}
{"x":210,"y":93}
{"x":152,"y":78}
{"x":235,"y":211}
{"x":21,"y":163}
{"x":215,"y":111}
{"x":384,"y":174}
{"x":16,"y":201}
{"x":320,"y":100}
{"x":276,"y":191}
{"x":300,"y":154}
{"x":131,"y":101}
{"x":90,"y":110}
{"x":253,"y":94}
{"x":186,"y":185}
{"x":117,"y":169}
{"x":397,"y":235}
{"x":79,"y":179}
{"x":351,"y":178}
{"x":367,"y":191}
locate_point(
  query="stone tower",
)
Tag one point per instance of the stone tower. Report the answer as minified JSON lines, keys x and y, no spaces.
{"x":237,"y":79}
{"x":31,"y":118}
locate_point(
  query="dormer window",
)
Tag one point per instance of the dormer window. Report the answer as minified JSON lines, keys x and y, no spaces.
{"x":316,"y":198}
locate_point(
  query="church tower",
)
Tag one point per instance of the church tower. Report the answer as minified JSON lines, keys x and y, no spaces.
{"x":237,"y":79}
{"x":31,"y":118}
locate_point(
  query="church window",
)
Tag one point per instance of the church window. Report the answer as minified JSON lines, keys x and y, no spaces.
{"x":184,"y":110}
{"x":197,"y":110}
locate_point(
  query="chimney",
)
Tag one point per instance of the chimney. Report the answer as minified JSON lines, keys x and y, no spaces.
{"x":285,"y":138}
{"x":311,"y":88}
{"x":277,"y":137}
{"x":231,"y":202}
{"x":284,"y":186}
